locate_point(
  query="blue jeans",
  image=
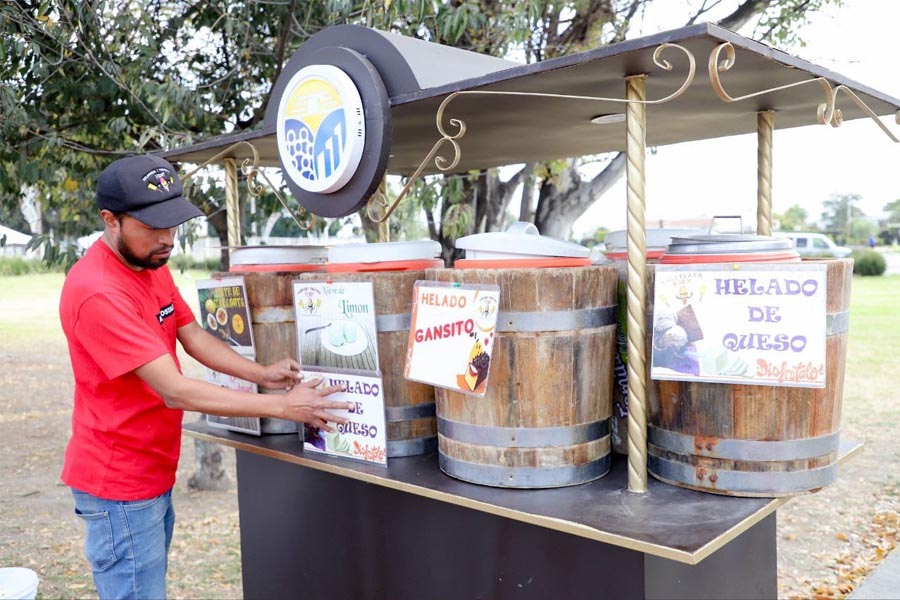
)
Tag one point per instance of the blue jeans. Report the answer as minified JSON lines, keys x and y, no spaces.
{"x":127,"y":544}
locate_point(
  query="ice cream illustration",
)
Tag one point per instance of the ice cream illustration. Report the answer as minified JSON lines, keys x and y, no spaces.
{"x":477,"y":367}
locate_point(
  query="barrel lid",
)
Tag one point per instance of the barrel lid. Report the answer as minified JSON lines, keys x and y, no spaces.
{"x":520,"y":241}
{"x":278,"y":255}
{"x":657,"y":239}
{"x":727,"y":243}
{"x":384,"y":252}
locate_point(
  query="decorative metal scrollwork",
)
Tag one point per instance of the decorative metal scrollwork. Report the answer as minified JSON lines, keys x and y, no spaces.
{"x":826,"y":112}
{"x":443,"y":164}
{"x":838,"y":117}
{"x":250,"y":169}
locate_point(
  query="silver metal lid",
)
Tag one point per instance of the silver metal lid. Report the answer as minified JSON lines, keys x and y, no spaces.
{"x":727,"y":243}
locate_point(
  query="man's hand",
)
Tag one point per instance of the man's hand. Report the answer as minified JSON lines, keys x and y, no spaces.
{"x":305,"y":403}
{"x":282,"y":375}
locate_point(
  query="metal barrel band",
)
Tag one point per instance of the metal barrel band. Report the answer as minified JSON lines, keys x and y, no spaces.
{"x":274,"y":425}
{"x":394,"y":322}
{"x":836,"y":323}
{"x":748,"y":450}
{"x":413,"y":447}
{"x":397,"y":414}
{"x":556,"y":320}
{"x":521,"y":437}
{"x":524,"y":477}
{"x":272,"y":314}
{"x":761,"y":482}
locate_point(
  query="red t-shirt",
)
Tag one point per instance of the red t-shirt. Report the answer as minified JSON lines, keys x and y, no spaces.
{"x":125,"y":441}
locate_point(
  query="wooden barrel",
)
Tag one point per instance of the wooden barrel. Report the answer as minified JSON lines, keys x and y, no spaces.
{"x":409,"y":405}
{"x":544,"y":420}
{"x":270,"y":296}
{"x":754,"y":440}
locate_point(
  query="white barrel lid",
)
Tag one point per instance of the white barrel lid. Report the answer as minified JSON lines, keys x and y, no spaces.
{"x":520,"y":240}
{"x":656,"y":238}
{"x":383,"y":252}
{"x":279,"y":255}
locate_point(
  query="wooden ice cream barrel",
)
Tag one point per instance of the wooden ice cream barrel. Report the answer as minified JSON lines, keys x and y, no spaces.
{"x":657,"y":240}
{"x":409,"y":405}
{"x":754,"y":440}
{"x":545,"y":417}
{"x":267,"y":273}
{"x":271,"y":304}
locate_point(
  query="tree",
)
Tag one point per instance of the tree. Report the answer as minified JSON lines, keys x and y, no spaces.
{"x":86,"y":81}
{"x":546,"y":30}
{"x":839,"y":214}
{"x":893,"y":211}
{"x":793,"y":219}
{"x":891,"y":232}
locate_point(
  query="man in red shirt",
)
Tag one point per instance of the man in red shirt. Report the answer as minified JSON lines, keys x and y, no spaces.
{"x":121,"y":313}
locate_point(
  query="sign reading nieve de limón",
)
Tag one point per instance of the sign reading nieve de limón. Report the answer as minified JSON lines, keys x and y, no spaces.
{"x":320,"y":129}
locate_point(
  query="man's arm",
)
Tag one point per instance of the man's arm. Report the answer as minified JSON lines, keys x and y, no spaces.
{"x":219,"y":356}
{"x":303,"y":403}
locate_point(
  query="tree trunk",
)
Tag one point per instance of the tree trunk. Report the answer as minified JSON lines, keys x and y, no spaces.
{"x":210,"y":474}
{"x":219,"y":223}
{"x":565,"y":197}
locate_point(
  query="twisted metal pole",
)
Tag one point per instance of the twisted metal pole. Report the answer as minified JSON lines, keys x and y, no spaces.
{"x":765,"y":127}
{"x":384,"y":229}
{"x":635,"y":152}
{"x":232,"y":208}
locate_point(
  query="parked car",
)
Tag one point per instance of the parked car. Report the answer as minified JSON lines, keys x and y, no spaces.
{"x":814,"y":244}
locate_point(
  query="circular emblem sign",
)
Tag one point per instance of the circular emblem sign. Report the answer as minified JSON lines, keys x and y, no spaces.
{"x":320,"y":129}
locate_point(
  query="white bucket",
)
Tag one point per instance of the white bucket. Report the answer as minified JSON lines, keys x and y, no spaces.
{"x":18,"y":583}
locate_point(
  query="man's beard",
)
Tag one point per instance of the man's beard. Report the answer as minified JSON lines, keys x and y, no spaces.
{"x":146,"y":262}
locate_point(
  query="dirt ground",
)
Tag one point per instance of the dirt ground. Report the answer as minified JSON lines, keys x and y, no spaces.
{"x":827,"y":542}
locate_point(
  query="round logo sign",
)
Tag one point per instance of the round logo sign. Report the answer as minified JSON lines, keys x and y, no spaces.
{"x":321,"y":129}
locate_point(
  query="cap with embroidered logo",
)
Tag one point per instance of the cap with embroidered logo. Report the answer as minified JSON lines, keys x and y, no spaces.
{"x":147,"y":188}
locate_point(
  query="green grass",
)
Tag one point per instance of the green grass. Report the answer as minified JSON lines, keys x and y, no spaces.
{"x":872,"y":365}
{"x":29,"y":305}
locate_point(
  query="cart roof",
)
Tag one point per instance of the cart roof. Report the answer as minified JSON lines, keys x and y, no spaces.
{"x":513,"y":129}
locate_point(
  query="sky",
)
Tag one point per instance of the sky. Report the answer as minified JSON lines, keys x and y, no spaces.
{"x":858,"y":40}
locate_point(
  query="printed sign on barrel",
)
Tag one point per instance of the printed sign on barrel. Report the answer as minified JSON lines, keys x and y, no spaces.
{"x":749,"y":324}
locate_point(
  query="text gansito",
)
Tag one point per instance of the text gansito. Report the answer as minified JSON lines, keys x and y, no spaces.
{"x":357,"y":407}
{"x":444,"y":330}
{"x":769,"y":291}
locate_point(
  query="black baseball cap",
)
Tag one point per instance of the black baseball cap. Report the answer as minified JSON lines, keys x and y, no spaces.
{"x":147,"y":188}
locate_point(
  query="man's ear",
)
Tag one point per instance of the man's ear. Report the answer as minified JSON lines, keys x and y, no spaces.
{"x":109,"y":219}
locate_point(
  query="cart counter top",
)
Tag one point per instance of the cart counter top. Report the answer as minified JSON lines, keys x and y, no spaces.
{"x":667,"y":521}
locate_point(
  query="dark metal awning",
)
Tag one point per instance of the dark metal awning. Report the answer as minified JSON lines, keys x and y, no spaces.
{"x":510,"y":129}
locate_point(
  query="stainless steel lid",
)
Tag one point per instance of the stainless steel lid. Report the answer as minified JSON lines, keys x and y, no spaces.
{"x":727,"y":243}
{"x":656,"y":237}
{"x":279,"y":255}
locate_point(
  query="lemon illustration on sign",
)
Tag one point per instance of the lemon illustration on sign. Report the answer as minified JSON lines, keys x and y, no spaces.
{"x":211,"y":322}
{"x":222,"y":316}
{"x":237,"y":323}
{"x":210,"y":305}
